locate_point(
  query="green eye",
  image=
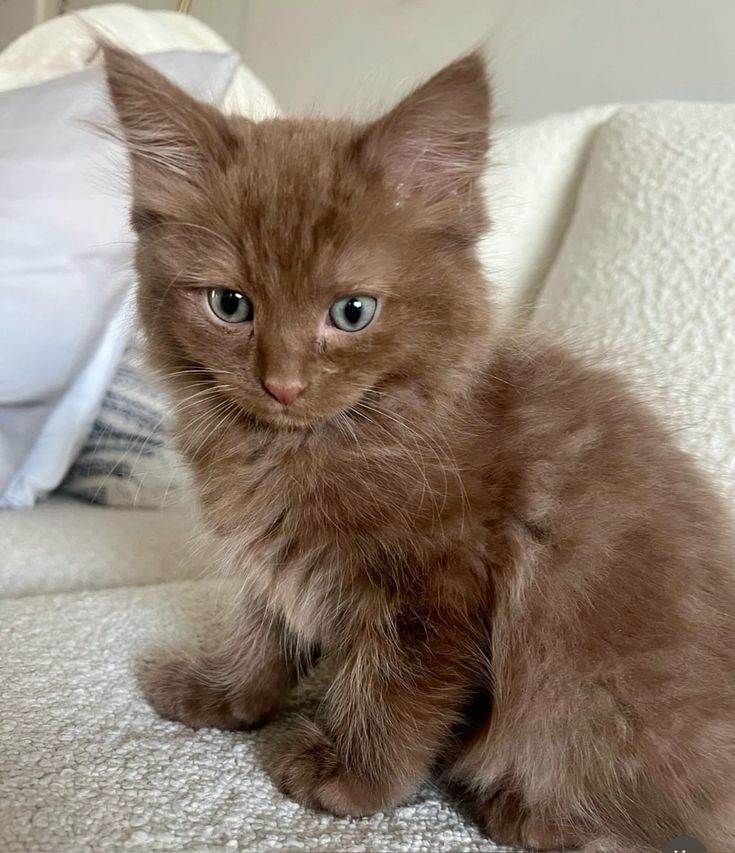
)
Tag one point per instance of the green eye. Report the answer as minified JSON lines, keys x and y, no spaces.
{"x":353,"y":313}
{"x":229,"y":305}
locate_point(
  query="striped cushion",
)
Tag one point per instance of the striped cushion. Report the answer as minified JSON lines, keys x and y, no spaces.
{"x":126,"y":459}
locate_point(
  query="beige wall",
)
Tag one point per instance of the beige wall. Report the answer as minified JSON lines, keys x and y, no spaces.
{"x":16,"y":16}
{"x":350,"y":56}
{"x":225,"y":16}
{"x":549,"y":55}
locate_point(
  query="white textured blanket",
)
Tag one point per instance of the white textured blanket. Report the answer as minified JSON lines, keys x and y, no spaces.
{"x":85,"y":765}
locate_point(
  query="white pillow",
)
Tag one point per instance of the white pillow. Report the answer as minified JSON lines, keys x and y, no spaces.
{"x":646,"y":274}
{"x":65,"y":265}
{"x":65,"y":246}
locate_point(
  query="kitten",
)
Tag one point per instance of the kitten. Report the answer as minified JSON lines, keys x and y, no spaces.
{"x":514,"y":572}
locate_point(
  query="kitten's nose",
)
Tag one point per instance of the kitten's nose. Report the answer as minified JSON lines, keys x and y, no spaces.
{"x":284,"y":392}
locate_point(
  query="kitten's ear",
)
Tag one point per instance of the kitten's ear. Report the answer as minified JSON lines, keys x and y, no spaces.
{"x":436,"y":139}
{"x":173,"y":139}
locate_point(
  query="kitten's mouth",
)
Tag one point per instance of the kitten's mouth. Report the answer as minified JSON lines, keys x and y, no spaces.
{"x":289,"y":418}
{"x":285,"y":418}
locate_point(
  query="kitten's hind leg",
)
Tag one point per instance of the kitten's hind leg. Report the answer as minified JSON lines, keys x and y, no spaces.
{"x":237,"y":684}
{"x":505,"y":818}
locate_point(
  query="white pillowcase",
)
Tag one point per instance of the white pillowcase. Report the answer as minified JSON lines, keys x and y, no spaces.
{"x":65,"y":246}
{"x":646,"y":274}
{"x":65,"y":264}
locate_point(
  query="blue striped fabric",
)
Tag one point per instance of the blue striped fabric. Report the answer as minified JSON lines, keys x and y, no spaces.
{"x":126,"y":459}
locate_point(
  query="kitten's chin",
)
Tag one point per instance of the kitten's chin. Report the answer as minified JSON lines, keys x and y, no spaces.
{"x":287,"y":421}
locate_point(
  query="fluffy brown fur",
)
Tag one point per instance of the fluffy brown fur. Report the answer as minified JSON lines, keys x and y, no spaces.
{"x":516,"y":574}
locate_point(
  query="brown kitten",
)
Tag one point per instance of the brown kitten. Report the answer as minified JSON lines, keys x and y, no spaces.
{"x":512,"y":569}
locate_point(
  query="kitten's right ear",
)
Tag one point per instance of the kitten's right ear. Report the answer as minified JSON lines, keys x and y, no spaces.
{"x":173,"y":139}
{"x":434,"y":142}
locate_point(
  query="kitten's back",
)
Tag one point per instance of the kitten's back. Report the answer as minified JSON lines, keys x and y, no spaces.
{"x":614,"y":594}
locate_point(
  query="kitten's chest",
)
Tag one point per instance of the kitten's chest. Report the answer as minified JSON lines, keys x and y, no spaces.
{"x":296,"y":577}
{"x":273,"y":535}
{"x":304,"y":532}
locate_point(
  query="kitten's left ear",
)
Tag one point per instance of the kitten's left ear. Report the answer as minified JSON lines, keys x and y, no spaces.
{"x":434,"y":142}
{"x":173,"y":139}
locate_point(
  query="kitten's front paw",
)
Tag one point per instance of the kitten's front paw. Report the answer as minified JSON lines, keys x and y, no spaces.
{"x":308,"y":769}
{"x":181,"y":690}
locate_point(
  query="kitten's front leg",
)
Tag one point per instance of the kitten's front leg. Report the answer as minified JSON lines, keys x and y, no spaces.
{"x":380,"y":726}
{"x":236,"y":685}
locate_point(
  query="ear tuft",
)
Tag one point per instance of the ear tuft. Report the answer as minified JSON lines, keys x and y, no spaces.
{"x":435,"y":141}
{"x":173,"y":139}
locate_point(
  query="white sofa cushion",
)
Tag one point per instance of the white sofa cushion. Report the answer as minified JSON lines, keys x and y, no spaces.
{"x":646,"y":275}
{"x":63,"y":545}
{"x":530,"y":185}
{"x":88,"y":766}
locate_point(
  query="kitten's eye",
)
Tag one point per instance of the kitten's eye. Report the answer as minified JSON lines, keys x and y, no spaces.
{"x":353,"y":313}
{"x":229,"y":305}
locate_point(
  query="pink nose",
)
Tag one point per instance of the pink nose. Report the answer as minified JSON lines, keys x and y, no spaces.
{"x":284,"y":392}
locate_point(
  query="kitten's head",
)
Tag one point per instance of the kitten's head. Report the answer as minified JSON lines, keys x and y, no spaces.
{"x":305,"y":266}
